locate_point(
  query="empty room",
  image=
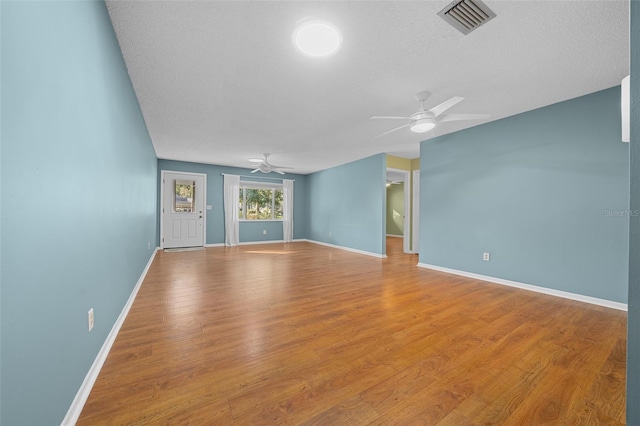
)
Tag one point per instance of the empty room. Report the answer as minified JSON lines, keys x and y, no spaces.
{"x":314,"y":212}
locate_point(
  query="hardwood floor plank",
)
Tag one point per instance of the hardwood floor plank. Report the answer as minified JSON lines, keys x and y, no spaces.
{"x":300,"y":333}
{"x":349,"y":412}
{"x":607,"y":393}
{"x":549,"y":402}
{"x":307,"y":402}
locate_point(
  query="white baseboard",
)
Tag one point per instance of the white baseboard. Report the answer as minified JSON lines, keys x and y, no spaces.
{"x":537,"y":289}
{"x":247,"y":243}
{"x":367,"y":253}
{"x":87,"y":384}
{"x":250,"y":243}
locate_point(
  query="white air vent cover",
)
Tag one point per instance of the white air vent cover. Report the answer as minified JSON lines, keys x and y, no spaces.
{"x":467,"y":15}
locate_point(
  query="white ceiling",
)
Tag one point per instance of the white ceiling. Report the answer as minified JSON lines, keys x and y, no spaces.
{"x":220,"y":82}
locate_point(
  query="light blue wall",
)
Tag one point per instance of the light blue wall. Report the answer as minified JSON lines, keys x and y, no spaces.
{"x":349,"y":201}
{"x":633,"y":316}
{"x":78,"y":200}
{"x":545,"y":192}
{"x":249,"y":232}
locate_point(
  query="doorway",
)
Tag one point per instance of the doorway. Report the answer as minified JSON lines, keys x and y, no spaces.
{"x":398,"y":190}
{"x":182,"y":221}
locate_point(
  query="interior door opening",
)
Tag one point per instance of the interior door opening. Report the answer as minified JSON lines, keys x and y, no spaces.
{"x":397,"y":212}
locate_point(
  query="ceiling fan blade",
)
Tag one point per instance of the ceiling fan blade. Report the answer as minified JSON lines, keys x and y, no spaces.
{"x":393,"y":130}
{"x":256,"y":170}
{"x":389,"y":117}
{"x":280,"y":167}
{"x":459,"y":117}
{"x":278,"y":171}
{"x":439,"y":109}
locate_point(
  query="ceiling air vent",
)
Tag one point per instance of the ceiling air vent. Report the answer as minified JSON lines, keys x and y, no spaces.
{"x":467,"y":15}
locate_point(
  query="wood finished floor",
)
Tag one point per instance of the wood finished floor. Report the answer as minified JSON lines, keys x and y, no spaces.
{"x":300,"y":333}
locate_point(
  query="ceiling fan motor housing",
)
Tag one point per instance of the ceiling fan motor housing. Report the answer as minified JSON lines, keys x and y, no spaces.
{"x":422,"y":115}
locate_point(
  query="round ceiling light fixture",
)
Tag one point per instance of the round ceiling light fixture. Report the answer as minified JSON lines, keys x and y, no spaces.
{"x":422,"y":125}
{"x":317,"y":39}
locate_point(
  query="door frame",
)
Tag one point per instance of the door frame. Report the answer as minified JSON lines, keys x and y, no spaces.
{"x":415,"y":214}
{"x":406,"y":232}
{"x":204,"y":203}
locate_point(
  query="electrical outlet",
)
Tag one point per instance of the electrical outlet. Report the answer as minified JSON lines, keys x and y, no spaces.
{"x":149,"y":245}
{"x":486,"y":257}
{"x":329,"y":234}
{"x":264,"y":232}
{"x":90,"y":319}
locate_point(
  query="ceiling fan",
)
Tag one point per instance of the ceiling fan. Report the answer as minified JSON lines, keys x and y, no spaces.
{"x":425,"y":120}
{"x":266,"y":167}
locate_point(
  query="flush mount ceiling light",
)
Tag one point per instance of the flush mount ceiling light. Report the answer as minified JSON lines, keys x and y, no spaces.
{"x":317,"y":39}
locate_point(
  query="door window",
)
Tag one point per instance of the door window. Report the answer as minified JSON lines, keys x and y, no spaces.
{"x":185,"y":196}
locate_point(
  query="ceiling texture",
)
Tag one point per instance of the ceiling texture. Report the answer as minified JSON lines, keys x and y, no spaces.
{"x":220,"y":82}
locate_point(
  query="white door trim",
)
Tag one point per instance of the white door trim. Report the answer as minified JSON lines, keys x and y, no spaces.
{"x":204,"y":203}
{"x":415,"y":214}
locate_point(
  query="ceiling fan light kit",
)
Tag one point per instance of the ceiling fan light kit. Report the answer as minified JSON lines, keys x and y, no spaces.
{"x":264,"y":168}
{"x":423,"y":125}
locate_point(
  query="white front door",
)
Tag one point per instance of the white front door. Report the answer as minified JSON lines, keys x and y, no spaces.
{"x":182,"y":220}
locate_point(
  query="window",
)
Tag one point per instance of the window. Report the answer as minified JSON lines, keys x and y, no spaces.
{"x":184,"y":200}
{"x":260,"y":201}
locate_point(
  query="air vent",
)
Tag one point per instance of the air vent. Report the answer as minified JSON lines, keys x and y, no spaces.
{"x":467,"y":15}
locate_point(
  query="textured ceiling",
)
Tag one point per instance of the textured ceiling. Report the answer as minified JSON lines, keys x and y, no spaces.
{"x":220,"y":82}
